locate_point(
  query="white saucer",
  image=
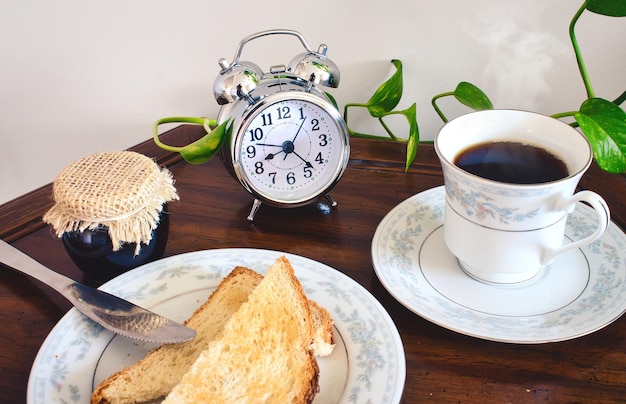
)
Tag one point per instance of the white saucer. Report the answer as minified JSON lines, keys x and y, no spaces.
{"x":581,"y":292}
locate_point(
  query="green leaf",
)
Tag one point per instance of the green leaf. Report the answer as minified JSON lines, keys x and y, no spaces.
{"x":332,"y":100}
{"x":388,"y":95}
{"x":414,"y":136}
{"x":610,"y":8}
{"x":604,"y":124}
{"x":203,"y":149}
{"x":472,"y":96}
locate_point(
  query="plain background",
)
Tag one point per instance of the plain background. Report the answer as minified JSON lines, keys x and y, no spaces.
{"x":84,"y":76}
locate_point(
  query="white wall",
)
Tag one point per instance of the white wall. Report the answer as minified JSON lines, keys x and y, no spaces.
{"x":82,"y":76}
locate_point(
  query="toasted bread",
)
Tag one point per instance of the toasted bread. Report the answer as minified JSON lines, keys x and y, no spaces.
{"x":322,"y":330}
{"x":263,"y":355}
{"x":157,"y":374}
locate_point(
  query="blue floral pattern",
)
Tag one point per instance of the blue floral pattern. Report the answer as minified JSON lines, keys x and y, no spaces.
{"x":398,"y":247}
{"x":67,"y":362}
{"x":480,"y":206}
{"x":370,"y":359}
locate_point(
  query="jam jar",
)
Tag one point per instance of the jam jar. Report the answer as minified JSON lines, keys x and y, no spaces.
{"x":111,"y":212}
{"x":92,"y":250}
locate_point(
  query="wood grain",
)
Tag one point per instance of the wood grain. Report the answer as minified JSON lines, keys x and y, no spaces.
{"x":442,"y":366}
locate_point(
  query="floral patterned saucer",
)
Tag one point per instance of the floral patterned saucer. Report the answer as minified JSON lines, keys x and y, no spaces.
{"x":367,"y":365}
{"x":581,"y":292}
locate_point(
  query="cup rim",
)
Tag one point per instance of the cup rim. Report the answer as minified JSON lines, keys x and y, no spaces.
{"x":574,"y":174}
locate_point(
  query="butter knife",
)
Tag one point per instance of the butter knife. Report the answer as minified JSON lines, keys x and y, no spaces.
{"x":111,"y":312}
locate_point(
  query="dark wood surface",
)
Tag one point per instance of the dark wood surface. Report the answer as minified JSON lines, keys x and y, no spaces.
{"x":442,"y":366}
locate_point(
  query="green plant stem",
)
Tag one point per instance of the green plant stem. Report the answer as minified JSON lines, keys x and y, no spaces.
{"x":579,"y":58}
{"x":619,"y":100}
{"x":434,"y":103}
{"x":387,"y":129}
{"x":362,"y":135}
{"x":345,"y":109}
{"x":564,"y":114}
{"x":205,"y":122}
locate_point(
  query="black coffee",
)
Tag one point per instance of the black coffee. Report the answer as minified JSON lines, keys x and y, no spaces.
{"x":512,"y":162}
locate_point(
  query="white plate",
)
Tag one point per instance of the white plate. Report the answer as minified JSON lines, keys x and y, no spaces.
{"x":368,"y":363}
{"x":581,"y":292}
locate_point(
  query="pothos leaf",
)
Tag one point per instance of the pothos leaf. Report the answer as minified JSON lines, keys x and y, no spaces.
{"x":203,"y":149}
{"x":414,"y":136}
{"x":472,"y":96}
{"x":610,"y":8}
{"x":388,"y":95}
{"x":332,"y":99}
{"x":604,"y":124}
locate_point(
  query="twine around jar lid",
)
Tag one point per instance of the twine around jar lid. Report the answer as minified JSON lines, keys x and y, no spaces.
{"x":124,"y":191}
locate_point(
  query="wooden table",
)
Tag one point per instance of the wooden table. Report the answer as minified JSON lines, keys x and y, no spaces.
{"x":442,"y":365}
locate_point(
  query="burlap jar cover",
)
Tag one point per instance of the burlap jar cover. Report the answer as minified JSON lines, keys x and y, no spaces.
{"x":124,"y":191}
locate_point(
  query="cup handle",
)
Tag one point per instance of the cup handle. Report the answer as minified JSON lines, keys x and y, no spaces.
{"x":604,"y":217}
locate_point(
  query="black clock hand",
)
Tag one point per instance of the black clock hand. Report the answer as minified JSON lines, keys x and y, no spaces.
{"x":289,"y":146}
{"x":266,"y":144}
{"x":298,"y":132}
{"x":270,"y":156}
{"x":306,"y":162}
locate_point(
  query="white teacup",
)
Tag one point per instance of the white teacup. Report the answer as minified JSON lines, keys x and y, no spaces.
{"x":503,"y":232}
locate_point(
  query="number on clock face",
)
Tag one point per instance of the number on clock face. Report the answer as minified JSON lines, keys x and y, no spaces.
{"x":291,"y":149}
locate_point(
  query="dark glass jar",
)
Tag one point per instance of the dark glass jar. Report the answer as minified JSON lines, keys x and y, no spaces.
{"x":92,"y":251}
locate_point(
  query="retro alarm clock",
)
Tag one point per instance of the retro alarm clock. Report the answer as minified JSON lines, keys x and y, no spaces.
{"x":288,"y":144}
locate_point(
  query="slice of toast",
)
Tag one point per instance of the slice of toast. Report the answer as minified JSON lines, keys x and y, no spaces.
{"x":263,"y":355}
{"x":156,"y":375}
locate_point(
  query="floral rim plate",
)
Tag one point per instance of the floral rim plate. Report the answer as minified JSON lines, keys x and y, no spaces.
{"x":581,"y":292}
{"x":367,"y":365}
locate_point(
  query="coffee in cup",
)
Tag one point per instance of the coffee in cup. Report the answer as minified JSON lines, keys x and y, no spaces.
{"x":512,"y":162}
{"x":510,"y":178}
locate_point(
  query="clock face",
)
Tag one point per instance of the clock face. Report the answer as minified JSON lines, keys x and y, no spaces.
{"x":292,"y":150}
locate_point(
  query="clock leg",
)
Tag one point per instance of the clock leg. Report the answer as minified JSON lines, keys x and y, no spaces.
{"x":330,"y":199}
{"x":255,"y":207}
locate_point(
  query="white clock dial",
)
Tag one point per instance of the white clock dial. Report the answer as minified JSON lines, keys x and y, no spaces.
{"x":292,"y":150}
